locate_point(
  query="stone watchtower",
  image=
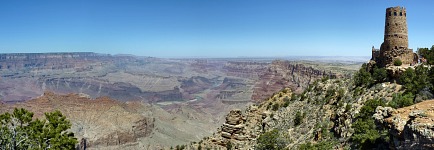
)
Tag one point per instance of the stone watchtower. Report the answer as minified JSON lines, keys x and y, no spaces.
{"x":395,"y":44}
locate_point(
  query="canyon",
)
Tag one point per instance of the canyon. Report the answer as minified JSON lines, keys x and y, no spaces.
{"x":145,"y":102}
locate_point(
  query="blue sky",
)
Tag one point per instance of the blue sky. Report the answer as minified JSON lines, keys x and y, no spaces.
{"x":207,"y":28}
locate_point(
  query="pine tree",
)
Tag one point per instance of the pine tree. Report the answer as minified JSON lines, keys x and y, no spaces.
{"x":19,"y":131}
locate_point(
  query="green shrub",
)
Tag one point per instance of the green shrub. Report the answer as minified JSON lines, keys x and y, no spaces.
{"x":330,"y":92}
{"x":380,"y":75}
{"x":229,"y":145}
{"x":325,"y":78}
{"x":341,"y":93}
{"x":348,"y":108}
{"x":397,"y":62}
{"x":366,"y":135}
{"x":400,"y":100}
{"x":358,"y":91}
{"x":363,"y":77}
{"x":276,"y":107}
{"x":286,"y":101}
{"x":323,"y":145}
{"x":270,"y":141}
{"x":415,"y":80}
{"x":298,"y":118}
{"x":294,"y":97}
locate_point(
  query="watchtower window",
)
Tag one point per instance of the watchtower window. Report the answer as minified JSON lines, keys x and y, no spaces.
{"x":400,"y":13}
{"x":390,"y":13}
{"x":387,"y":24}
{"x":394,"y":13}
{"x":405,"y":14}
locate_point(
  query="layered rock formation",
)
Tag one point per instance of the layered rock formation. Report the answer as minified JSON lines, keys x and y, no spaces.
{"x":233,"y":128}
{"x":326,"y":113}
{"x":282,"y":74}
{"x":77,"y":60}
{"x":411,"y":127}
{"x":245,"y":69}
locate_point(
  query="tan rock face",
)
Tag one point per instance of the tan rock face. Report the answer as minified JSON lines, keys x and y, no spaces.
{"x":411,"y":127}
{"x":234,"y":117}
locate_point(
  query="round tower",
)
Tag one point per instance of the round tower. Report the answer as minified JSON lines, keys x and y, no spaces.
{"x":395,"y":30}
{"x":395,"y":45}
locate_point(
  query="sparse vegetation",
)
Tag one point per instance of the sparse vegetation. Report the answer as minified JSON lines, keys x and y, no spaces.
{"x":363,"y":77}
{"x":270,"y":141}
{"x":399,"y":100}
{"x":366,"y":134}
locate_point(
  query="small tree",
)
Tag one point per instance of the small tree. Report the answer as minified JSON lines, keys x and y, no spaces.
{"x":363,"y":77}
{"x":18,"y":131}
{"x":366,"y":135}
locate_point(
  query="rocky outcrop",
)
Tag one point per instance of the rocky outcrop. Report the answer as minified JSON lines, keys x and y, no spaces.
{"x":282,"y":74}
{"x":410,"y":127}
{"x":327,"y":108}
{"x":233,"y":128}
{"x":241,"y":128}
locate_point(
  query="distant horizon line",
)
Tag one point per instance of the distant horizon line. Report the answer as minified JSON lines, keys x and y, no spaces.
{"x":82,"y":52}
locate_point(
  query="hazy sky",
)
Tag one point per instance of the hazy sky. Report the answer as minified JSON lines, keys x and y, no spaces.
{"x":207,"y":28}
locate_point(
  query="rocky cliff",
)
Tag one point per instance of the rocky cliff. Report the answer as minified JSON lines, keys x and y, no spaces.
{"x":282,"y":74}
{"x":410,"y":127}
{"x":323,"y":115}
